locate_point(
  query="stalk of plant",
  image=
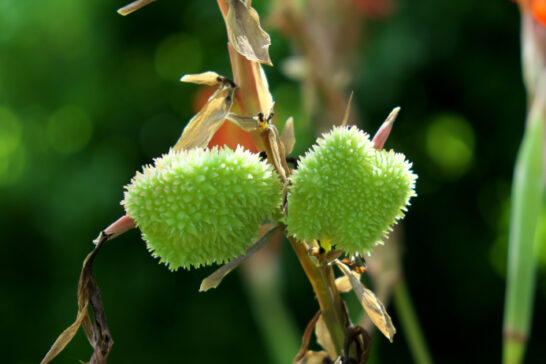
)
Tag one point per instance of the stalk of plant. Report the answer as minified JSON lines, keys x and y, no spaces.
{"x":255,"y":97}
{"x":199,"y":207}
{"x":527,"y":201}
{"x":327,"y":42}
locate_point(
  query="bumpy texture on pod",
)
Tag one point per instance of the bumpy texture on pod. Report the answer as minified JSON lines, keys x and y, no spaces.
{"x":199,"y":207}
{"x":347,"y":192}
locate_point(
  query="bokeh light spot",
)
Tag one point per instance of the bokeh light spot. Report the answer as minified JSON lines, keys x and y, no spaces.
{"x":10,"y":132}
{"x":11,"y":20}
{"x":69,"y":129}
{"x":177,"y":55}
{"x":450,"y":144}
{"x":12,"y":166}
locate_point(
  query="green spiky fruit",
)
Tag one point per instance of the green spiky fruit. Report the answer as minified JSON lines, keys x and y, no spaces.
{"x":199,"y":207}
{"x":348,"y":193}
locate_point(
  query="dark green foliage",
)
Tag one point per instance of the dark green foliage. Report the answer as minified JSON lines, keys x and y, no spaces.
{"x":118,"y":78}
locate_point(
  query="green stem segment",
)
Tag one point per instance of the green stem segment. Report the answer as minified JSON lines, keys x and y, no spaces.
{"x":410,"y":324}
{"x":247,"y":74}
{"x":331,"y":306}
{"x":526,"y":207}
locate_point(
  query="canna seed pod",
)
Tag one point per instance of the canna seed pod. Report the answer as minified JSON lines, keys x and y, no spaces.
{"x":198,"y":207}
{"x":348,"y":193}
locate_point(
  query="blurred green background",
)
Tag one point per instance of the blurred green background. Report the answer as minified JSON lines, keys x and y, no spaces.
{"x":88,"y":96}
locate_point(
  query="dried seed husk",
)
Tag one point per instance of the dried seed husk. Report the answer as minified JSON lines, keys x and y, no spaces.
{"x":208,"y":120}
{"x":247,"y":123}
{"x":246,"y":34}
{"x":372,"y":305}
{"x":209,"y":78}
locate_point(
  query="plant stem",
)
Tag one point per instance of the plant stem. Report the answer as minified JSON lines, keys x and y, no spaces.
{"x":331,"y":306}
{"x":410,"y":323}
{"x":253,"y":96}
{"x":526,"y":207}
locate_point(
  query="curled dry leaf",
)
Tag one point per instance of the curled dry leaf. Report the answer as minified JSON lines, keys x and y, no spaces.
{"x":208,"y":78}
{"x":265,"y":99}
{"x":371,"y":304}
{"x":277,"y":152}
{"x":67,"y":335}
{"x":362,"y":341}
{"x":306,"y":339}
{"x":247,"y":123}
{"x":288,"y":136}
{"x":246,"y":34}
{"x":134,"y":6}
{"x":323,"y":337}
{"x":208,"y":120}
{"x":215,"y":278}
{"x":343,"y":284}
{"x":97,"y":331}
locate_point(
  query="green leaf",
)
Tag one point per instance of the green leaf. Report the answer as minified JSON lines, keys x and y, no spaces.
{"x":526,"y":208}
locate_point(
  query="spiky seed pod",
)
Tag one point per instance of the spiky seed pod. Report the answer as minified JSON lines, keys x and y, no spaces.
{"x":347,"y":192}
{"x":199,"y":207}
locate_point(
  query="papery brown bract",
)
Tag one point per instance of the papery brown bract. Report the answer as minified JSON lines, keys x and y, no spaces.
{"x":246,"y":34}
{"x":208,"y":120}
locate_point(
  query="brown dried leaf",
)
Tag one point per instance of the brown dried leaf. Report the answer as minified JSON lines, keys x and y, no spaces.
{"x":246,"y":34}
{"x":66,"y":336}
{"x":288,"y":136}
{"x":306,"y":339}
{"x":215,"y":278}
{"x":97,"y":332}
{"x":246,"y":123}
{"x":359,"y":337}
{"x":208,"y":78}
{"x":343,"y":284}
{"x":134,"y":6}
{"x":314,"y":357}
{"x":265,"y":99}
{"x":323,"y":337}
{"x":208,"y":120}
{"x":101,"y":340}
{"x":373,"y":307}
{"x":277,"y":152}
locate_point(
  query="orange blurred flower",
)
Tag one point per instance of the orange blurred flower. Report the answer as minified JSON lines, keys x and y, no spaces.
{"x":537,"y":8}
